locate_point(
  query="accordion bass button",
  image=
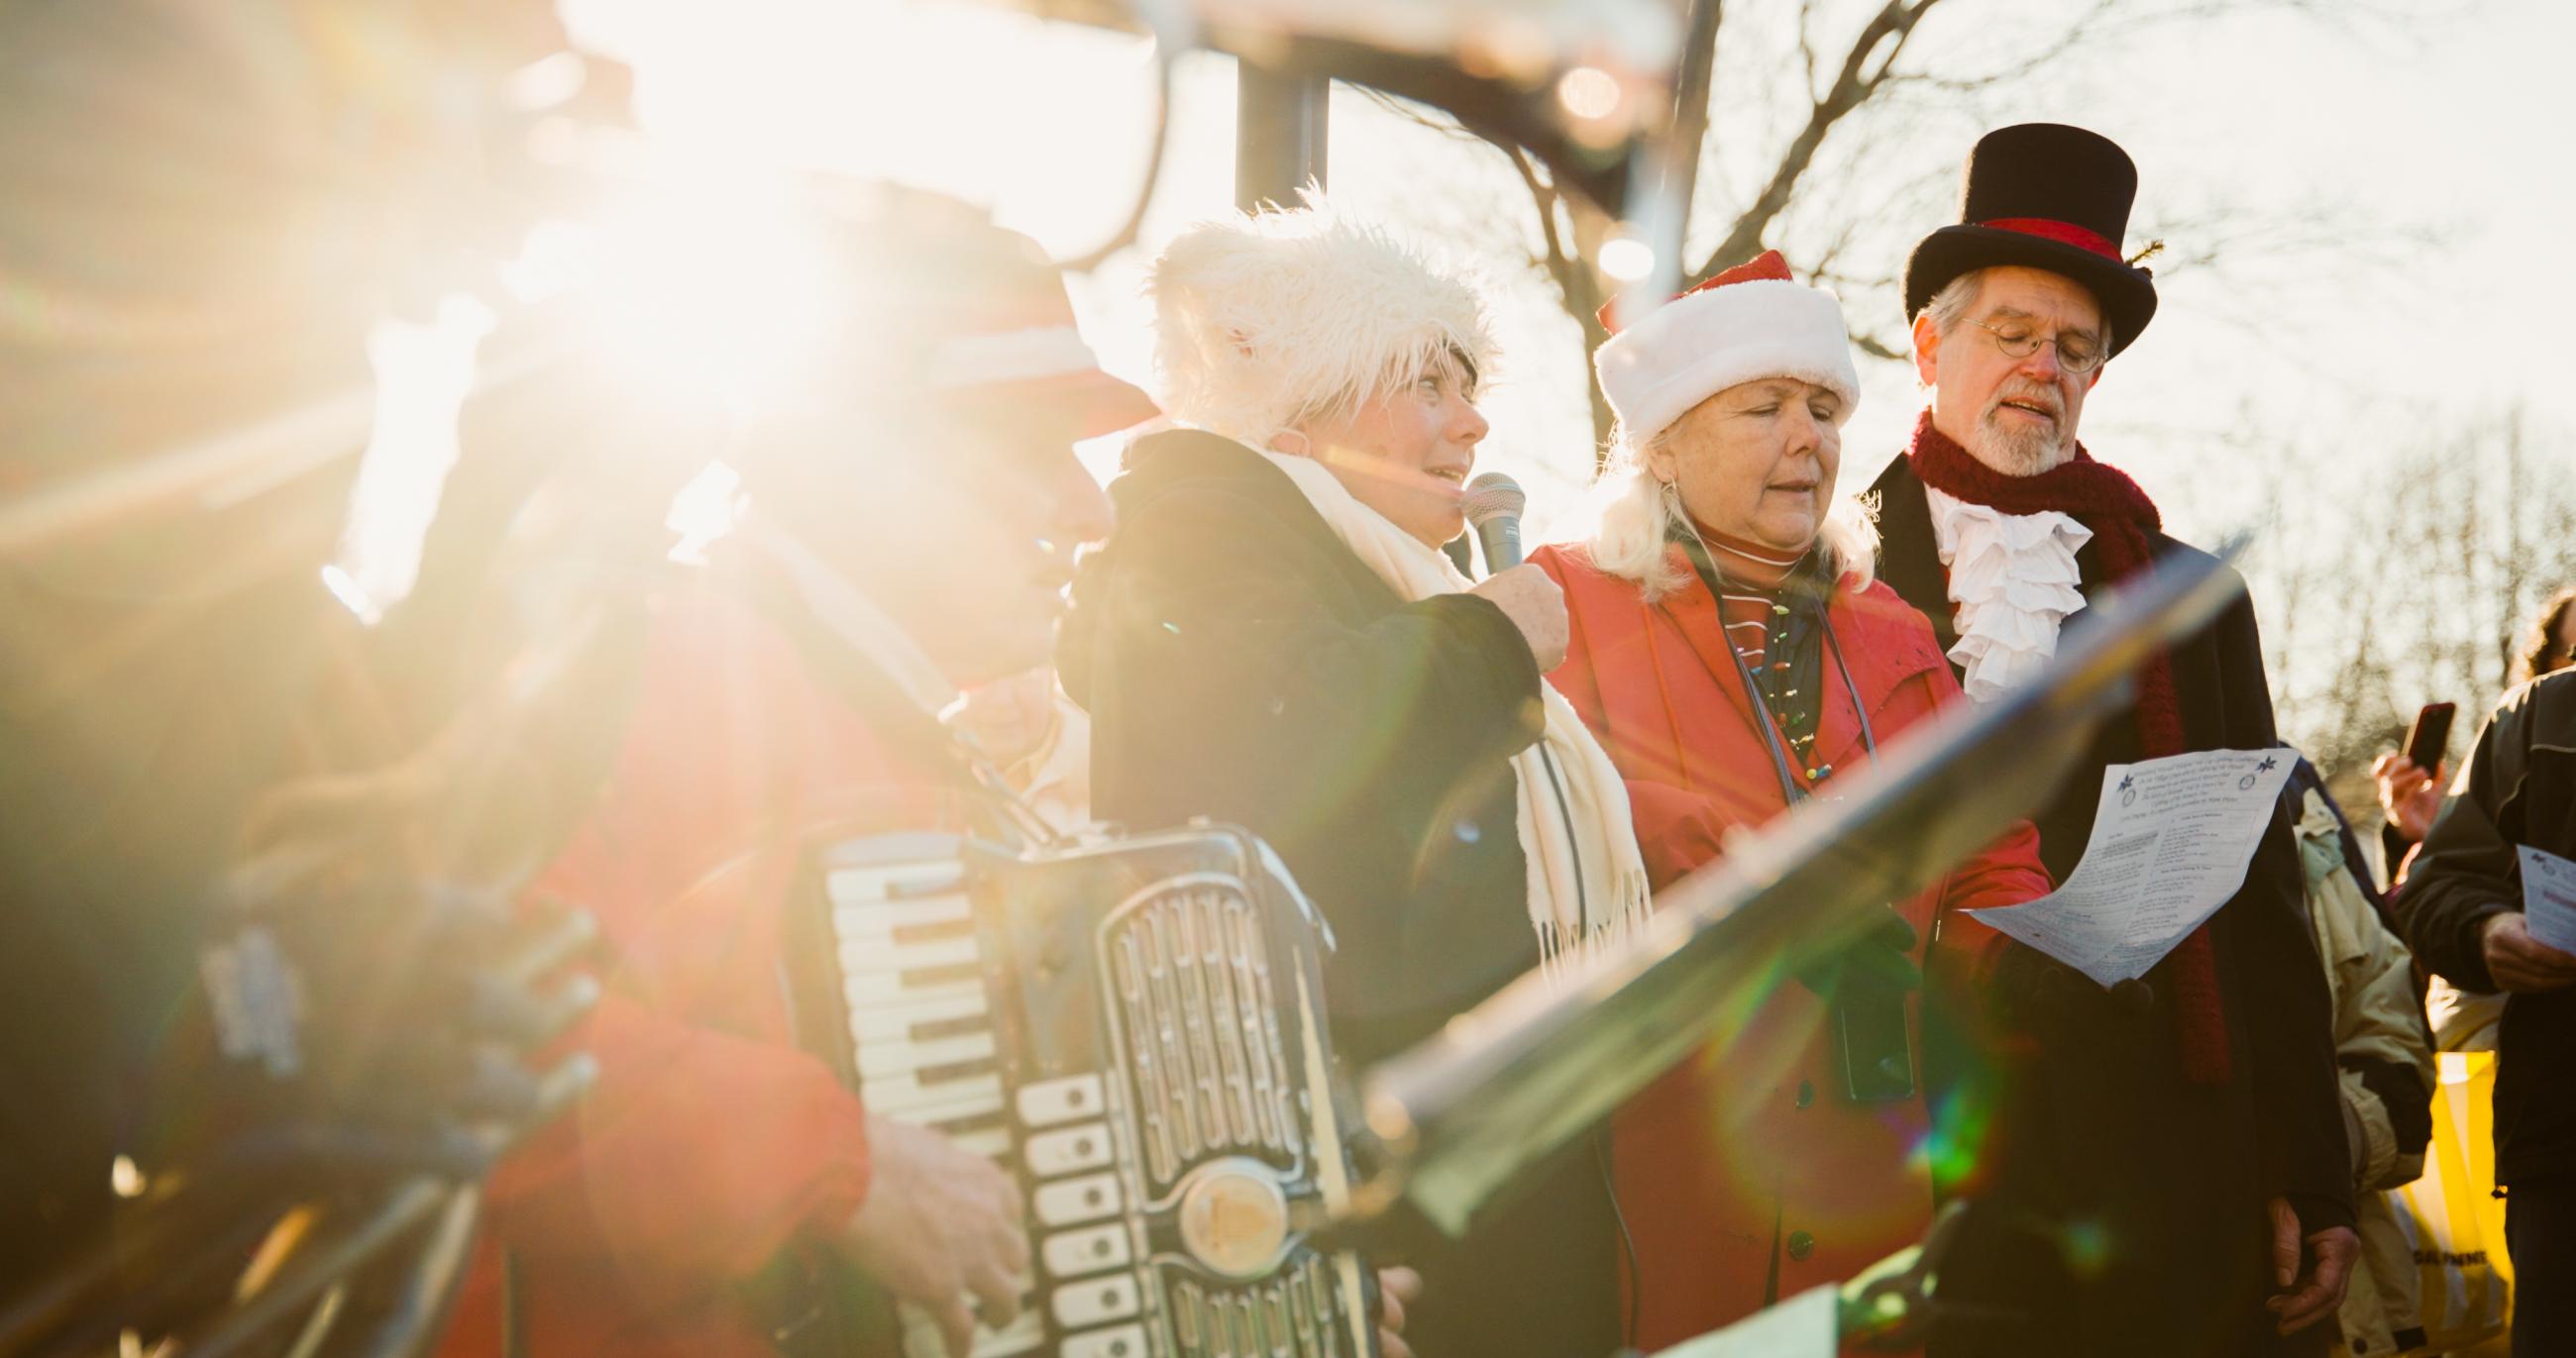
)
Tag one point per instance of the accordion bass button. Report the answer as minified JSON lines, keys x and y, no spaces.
{"x":1045,"y":1103}
{"x":1070,"y":1254}
{"x":1127,"y":1341}
{"x":1088,"y":1198}
{"x":1094,"y":1300}
{"x":1049,"y":1154}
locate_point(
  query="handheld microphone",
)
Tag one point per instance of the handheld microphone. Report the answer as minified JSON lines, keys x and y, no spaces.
{"x":1494,"y":503}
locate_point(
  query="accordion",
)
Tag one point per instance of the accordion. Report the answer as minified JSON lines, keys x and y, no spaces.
{"x":1135,"y":1029}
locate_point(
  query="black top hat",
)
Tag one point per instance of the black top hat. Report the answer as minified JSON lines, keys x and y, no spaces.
{"x":2045,"y":196}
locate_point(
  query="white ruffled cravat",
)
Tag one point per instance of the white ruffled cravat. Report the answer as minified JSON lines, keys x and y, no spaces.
{"x":2014,"y":579}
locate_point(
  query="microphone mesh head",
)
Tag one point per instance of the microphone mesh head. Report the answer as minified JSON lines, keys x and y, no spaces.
{"x":1494,"y":496}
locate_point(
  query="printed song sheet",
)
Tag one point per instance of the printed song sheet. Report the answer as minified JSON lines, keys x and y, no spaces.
{"x":2171,"y":840}
{"x":2549,"y":898}
{"x":1804,"y":1326}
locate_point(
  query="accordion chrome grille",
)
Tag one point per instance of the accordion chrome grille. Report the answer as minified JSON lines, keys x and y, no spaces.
{"x":1290,"y":1316}
{"x":1197,"y":1015}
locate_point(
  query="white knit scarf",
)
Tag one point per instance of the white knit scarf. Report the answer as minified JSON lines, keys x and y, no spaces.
{"x":1587,"y":882}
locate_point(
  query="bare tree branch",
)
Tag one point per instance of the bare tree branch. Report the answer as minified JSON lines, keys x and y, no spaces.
{"x":1827,"y":183}
{"x":1852,"y":87}
{"x":1807,"y":47}
{"x":2094,"y":26}
{"x":1577,"y":287}
{"x":1875,"y":347}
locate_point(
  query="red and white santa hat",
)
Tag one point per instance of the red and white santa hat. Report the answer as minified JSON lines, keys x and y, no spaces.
{"x":1752,"y":321}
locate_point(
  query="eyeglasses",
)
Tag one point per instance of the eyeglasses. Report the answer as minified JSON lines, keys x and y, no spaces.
{"x":2077,"y":352}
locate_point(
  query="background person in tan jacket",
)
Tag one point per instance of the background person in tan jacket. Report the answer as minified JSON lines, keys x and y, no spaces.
{"x":2384,"y":1054}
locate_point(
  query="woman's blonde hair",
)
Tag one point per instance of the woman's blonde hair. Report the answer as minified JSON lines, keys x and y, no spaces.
{"x":1635,"y":517}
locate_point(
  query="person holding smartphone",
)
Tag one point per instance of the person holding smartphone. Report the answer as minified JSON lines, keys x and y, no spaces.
{"x":2462,"y":912}
{"x":2411,"y":783}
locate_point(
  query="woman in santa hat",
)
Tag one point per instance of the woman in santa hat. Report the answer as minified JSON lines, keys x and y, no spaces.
{"x":1272,"y":637}
{"x":1730,"y":648}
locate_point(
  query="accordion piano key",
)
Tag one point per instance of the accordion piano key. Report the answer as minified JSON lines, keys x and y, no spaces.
{"x":920,"y":1096}
{"x":919,"y":962}
{"x":927,"y":1059}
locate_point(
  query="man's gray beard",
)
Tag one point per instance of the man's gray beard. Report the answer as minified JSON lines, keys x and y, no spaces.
{"x":2015,"y":452}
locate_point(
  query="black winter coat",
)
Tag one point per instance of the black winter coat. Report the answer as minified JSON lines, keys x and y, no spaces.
{"x":1240,"y":663}
{"x":2520,"y":788}
{"x":2098,"y":1130}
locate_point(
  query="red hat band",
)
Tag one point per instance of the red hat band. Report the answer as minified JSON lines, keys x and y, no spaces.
{"x":2064,"y":233}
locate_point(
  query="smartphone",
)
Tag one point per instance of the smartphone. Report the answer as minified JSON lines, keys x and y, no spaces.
{"x":1877,"y":1049}
{"x":2430,"y":737}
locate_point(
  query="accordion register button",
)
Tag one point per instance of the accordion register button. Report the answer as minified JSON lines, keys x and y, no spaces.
{"x":1074,"y":1253}
{"x":1048,"y":1102}
{"x":1127,"y":1341}
{"x":1069,"y":1151}
{"x":1094,"y":1300}
{"x":1088,"y":1198}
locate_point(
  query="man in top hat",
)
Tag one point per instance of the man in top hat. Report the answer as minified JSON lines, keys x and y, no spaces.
{"x":2180,"y":1145}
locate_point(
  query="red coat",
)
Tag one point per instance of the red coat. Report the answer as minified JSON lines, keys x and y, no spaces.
{"x":710,"y":1141}
{"x":1745,"y":1159}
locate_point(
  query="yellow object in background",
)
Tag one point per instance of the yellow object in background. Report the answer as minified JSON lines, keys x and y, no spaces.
{"x":2454,"y":1217}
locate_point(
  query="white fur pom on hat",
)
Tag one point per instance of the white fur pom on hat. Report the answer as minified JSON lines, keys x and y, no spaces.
{"x":1260,"y":319}
{"x":1751,"y":322}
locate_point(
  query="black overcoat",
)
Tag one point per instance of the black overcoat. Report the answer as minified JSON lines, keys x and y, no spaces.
{"x":2518,"y":787}
{"x":2153,"y":1186}
{"x":1240,"y":663}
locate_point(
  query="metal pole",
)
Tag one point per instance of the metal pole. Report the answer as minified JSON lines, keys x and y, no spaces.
{"x":1280,"y":135}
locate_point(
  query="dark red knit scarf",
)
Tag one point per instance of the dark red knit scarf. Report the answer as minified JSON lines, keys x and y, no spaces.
{"x":2104,"y":499}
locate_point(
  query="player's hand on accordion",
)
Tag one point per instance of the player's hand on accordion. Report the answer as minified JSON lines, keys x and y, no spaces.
{"x":939,"y":1224}
{"x":1395,"y":1287}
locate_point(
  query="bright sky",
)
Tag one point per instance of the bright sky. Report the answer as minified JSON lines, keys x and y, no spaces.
{"x":2341,"y":334}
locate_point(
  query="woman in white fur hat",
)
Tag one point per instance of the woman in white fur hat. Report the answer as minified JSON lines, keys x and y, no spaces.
{"x":1272,"y":637}
{"x":1728,"y":645}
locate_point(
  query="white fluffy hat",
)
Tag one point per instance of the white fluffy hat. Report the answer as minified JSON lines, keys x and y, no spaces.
{"x":1259,"y":319}
{"x":1750,"y":322}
